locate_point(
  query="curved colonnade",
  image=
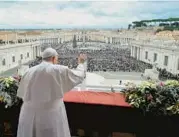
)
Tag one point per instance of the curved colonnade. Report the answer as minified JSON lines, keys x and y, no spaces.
{"x":164,"y":55}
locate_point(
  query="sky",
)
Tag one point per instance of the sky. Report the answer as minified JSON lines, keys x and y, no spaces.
{"x":81,"y":14}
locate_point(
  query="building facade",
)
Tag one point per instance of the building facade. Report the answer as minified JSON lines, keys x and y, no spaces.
{"x":12,"y":55}
{"x":86,"y":36}
{"x":165,"y":56}
{"x":161,"y":48}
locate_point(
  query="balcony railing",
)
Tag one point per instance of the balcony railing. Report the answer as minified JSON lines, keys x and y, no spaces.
{"x":101,"y":114}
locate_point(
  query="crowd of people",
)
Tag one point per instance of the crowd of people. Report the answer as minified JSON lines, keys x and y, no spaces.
{"x":109,"y":59}
{"x":105,"y":59}
{"x":164,"y":75}
{"x":37,"y":61}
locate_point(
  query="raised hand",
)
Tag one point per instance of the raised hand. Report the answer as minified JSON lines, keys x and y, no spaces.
{"x":82,"y":58}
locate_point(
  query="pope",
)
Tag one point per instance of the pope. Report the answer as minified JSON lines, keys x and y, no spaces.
{"x":42,"y":88}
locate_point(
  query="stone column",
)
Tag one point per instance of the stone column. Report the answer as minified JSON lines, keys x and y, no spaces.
{"x":39,"y":51}
{"x":111,"y":40}
{"x":139,"y":53}
{"x":34,"y":52}
{"x":135,"y":52}
{"x":131,"y":51}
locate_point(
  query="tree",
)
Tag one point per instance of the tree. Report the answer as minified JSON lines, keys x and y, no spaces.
{"x":129,"y":26}
{"x":173,"y":22}
{"x":139,"y":24}
{"x":158,"y":30}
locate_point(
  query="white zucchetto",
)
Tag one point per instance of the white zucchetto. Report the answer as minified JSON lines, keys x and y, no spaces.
{"x":49,"y":52}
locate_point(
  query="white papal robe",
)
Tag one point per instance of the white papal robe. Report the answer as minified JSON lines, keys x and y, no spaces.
{"x":43,"y":112}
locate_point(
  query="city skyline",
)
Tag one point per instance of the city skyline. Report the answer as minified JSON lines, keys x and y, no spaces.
{"x":38,"y":15}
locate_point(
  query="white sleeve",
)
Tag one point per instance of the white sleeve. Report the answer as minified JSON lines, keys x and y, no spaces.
{"x":73,"y":77}
{"x":21,"y":88}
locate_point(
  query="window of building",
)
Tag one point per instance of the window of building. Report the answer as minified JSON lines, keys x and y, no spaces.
{"x":3,"y":62}
{"x":146,"y":55}
{"x":27,"y":54}
{"x":166,"y":60}
{"x":155,"y":57}
{"x":13,"y":59}
{"x":21,"y":56}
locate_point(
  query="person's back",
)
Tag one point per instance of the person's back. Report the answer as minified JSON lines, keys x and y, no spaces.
{"x":42,"y":79}
{"x":43,"y":112}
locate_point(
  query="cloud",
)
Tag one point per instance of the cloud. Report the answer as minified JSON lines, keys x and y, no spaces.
{"x":82,"y":14}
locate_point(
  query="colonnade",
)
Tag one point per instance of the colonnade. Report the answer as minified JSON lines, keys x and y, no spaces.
{"x":136,"y":52}
{"x":119,"y":40}
{"x":51,"y":40}
{"x":166,"y":57}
